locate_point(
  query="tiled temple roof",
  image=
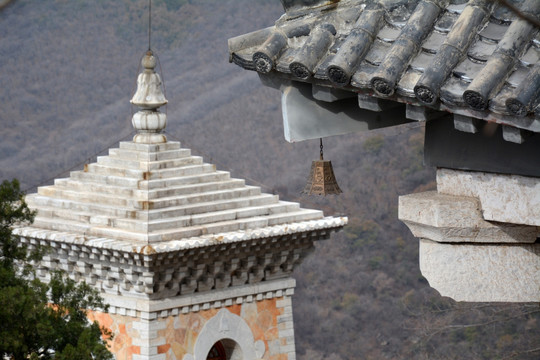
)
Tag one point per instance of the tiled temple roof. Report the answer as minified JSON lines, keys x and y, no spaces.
{"x":475,"y":58}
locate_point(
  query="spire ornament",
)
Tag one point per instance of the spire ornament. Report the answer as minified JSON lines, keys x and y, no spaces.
{"x":148,"y":121}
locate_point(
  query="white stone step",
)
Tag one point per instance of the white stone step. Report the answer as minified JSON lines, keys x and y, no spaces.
{"x":151,"y":165}
{"x":234,"y":225}
{"x":48,"y":203}
{"x":145,"y":156}
{"x":150,"y":148}
{"x":108,"y":232}
{"x":103,"y":189}
{"x":130,"y":182}
{"x":192,"y":189}
{"x":83,"y":217}
{"x":92,"y":214}
{"x":297,"y":216}
{"x":220,"y":205}
{"x":206,"y":218}
{"x":138,"y":201}
{"x":176,"y":233}
{"x":203,"y":197}
{"x":105,"y":179}
{"x":179,"y":172}
{"x":71,"y":184}
{"x":243,"y":213}
{"x":64,"y":225}
{"x":87,"y":197}
{"x":150,"y":175}
{"x":185,"y":180}
{"x":88,"y":229}
{"x":80,"y":217}
{"x":115,"y":171}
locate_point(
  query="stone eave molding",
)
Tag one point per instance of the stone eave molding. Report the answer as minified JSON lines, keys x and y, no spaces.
{"x":200,"y":301}
{"x":330,"y":223}
{"x":180,"y":268}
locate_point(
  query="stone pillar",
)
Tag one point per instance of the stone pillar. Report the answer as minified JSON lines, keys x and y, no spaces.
{"x":478,"y":235}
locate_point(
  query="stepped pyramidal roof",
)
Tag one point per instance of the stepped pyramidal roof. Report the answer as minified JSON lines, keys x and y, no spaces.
{"x":151,"y":194}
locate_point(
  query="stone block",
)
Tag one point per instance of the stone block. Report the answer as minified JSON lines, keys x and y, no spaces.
{"x":422,"y":113}
{"x":274,"y":347}
{"x":329,"y":94}
{"x":148,"y":343}
{"x":148,"y":334}
{"x":286,"y":333}
{"x":482,"y":273}
{"x":515,"y":135}
{"x":285,"y":326}
{"x":503,"y":198}
{"x":152,"y":350}
{"x":284,"y":318}
{"x":447,"y":218}
{"x":289,"y":348}
{"x":289,"y":292}
{"x":150,"y":148}
{"x":373,"y":103}
{"x":466,"y":123}
{"x":184,"y":180}
{"x":148,"y":316}
{"x":288,"y":310}
{"x":151,"y":357}
{"x":284,"y":302}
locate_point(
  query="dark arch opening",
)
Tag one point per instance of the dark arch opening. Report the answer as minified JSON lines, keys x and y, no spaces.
{"x":217,"y":352}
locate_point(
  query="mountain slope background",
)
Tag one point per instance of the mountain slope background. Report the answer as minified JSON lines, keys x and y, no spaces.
{"x":68,"y":70}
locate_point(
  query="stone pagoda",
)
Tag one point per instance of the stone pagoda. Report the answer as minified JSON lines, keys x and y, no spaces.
{"x":194,"y":264}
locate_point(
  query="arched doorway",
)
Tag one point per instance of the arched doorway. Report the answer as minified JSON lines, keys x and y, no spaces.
{"x":232,"y":333}
{"x":225,"y":349}
{"x":217,"y":352}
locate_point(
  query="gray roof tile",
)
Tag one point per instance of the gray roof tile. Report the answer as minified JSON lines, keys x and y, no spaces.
{"x":481,"y":51}
{"x":466,"y":70}
{"x":452,"y":55}
{"x":531,"y":56}
{"x":445,"y":22}
{"x":422,"y":61}
{"x":493,"y":32}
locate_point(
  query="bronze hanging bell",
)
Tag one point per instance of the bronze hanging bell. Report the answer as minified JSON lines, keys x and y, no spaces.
{"x":322,"y":180}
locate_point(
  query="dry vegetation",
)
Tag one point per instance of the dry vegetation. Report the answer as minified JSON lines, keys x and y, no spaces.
{"x":68,"y":68}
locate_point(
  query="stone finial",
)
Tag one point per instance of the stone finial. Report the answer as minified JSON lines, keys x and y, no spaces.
{"x":149,"y":122}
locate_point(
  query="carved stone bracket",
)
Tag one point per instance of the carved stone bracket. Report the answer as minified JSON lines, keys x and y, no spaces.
{"x":478,"y":235}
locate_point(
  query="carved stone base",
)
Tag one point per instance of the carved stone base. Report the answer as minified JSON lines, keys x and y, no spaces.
{"x":482,"y":273}
{"x":478,"y":235}
{"x":149,"y":138}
